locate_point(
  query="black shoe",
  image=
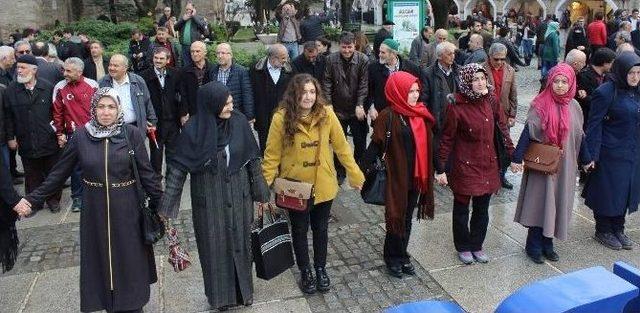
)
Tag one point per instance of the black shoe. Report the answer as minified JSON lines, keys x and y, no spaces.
{"x":323,"y":283}
{"x":307,"y":282}
{"x":551,"y":256}
{"x":626,"y":243}
{"x":536,"y":258}
{"x":608,"y":240}
{"x":395,"y":271}
{"x":54,"y":208}
{"x":506,"y":184}
{"x":77,"y":205}
{"x":408,"y":269}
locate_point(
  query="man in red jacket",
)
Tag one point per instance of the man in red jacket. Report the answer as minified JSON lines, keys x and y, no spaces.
{"x":597,"y":33}
{"x":71,"y":110}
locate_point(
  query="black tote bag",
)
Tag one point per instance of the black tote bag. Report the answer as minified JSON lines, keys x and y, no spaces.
{"x":271,"y":245}
{"x":375,"y":184}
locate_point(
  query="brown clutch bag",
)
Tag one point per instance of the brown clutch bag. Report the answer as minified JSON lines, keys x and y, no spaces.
{"x":542,"y":158}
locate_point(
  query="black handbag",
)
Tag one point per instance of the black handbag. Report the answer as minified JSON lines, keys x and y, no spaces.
{"x":153,"y":228}
{"x":375,"y":184}
{"x":501,"y":149}
{"x":271,"y":245}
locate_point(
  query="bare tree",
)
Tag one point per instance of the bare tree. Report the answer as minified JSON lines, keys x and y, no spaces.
{"x":441,"y":14}
{"x":112,"y":11}
{"x":145,"y":6}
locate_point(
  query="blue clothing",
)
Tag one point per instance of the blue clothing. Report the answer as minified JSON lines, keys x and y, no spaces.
{"x":613,"y":138}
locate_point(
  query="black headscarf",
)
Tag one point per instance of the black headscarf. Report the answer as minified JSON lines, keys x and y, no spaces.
{"x":621,"y":67}
{"x":206,"y":133}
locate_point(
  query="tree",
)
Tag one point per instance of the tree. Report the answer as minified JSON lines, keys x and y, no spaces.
{"x":441,"y":13}
{"x":176,"y":6}
{"x":112,"y":11}
{"x":145,"y":6}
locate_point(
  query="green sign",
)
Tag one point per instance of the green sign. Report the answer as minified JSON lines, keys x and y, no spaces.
{"x":408,"y":16}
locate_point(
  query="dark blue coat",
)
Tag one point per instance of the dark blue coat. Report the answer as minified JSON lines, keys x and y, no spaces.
{"x":239,"y":84}
{"x":613,"y":138}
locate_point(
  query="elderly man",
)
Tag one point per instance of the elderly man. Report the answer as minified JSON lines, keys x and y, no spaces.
{"x":236,"y":78}
{"x":162,"y":40}
{"x":7,"y":60}
{"x":576,"y":59}
{"x":192,"y":76}
{"x":191,"y":27}
{"x":390,"y":62}
{"x":269,"y":79}
{"x":441,"y":79}
{"x":346,"y":83}
{"x":134,"y":95}
{"x":49,"y":71}
{"x":71,"y":110}
{"x":95,"y":67}
{"x":502,"y":77}
{"x":310,"y":62}
{"x":28,"y":115}
{"x":476,"y":52}
{"x":162,"y":82}
{"x":429,"y":56}
{"x":617,"y":38}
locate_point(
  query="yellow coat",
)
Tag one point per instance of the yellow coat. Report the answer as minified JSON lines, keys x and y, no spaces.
{"x":297,"y":161}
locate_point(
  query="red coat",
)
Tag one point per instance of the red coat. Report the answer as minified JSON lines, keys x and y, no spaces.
{"x":468,"y":142}
{"x":72,"y":104}
{"x":597,"y":33}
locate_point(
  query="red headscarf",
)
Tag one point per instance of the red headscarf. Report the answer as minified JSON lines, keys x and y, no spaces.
{"x":397,"y":92}
{"x":553,"y":109}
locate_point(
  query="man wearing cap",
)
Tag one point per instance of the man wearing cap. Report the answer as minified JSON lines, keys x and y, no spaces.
{"x":389,"y":61}
{"x":28,"y":116}
{"x":384,"y":33}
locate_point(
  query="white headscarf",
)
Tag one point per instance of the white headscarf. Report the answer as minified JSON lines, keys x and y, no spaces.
{"x":98,"y":130}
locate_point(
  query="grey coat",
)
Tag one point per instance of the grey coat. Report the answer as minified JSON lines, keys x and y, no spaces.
{"x":141,"y":100}
{"x":222,"y":209}
{"x":476,"y":56}
{"x":547,"y":200}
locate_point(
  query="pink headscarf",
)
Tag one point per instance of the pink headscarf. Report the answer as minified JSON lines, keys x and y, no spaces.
{"x":553,"y":109}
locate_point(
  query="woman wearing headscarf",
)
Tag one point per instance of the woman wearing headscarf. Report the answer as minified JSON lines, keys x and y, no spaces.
{"x":9,"y":198}
{"x":551,"y":50}
{"x":217,"y":148}
{"x":613,"y":139}
{"x":302,"y":124}
{"x":116,"y":266}
{"x":468,"y":144}
{"x":408,"y":161}
{"x":545,"y":201}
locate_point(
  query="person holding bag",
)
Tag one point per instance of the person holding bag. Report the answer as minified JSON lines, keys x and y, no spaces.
{"x":468,"y":143}
{"x":402,"y":139}
{"x":116,"y":265}
{"x":613,"y":139}
{"x":217,"y":148}
{"x":304,"y":123}
{"x":552,"y":135}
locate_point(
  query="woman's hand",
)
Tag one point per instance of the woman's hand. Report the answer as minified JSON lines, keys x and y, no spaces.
{"x":441,"y":179}
{"x":515,"y":167}
{"x":359,"y":188}
{"x":589,"y":167}
{"x":23,"y":208}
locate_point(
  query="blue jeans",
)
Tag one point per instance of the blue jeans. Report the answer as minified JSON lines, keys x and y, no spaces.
{"x":292,"y":49}
{"x":546,"y":66}
{"x":527,"y":47}
{"x":4,"y":154}
{"x":186,"y":56}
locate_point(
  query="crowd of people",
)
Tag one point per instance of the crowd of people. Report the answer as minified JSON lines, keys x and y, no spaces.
{"x":440,"y":115}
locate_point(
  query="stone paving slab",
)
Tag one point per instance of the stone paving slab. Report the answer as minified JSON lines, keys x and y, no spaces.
{"x":14,"y":290}
{"x":56,"y":290}
{"x":481,"y":287}
{"x":587,"y":253}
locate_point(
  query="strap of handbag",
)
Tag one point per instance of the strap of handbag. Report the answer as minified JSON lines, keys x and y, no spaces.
{"x":387,"y":135}
{"x":132,"y":156}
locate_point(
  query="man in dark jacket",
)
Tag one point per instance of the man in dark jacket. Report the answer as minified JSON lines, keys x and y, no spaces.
{"x":269,"y":79}
{"x":311,"y":27}
{"x":236,"y":78}
{"x":4,"y":149}
{"x":390,"y":62}
{"x":51,"y":72}
{"x":441,"y":80}
{"x":192,"y":28}
{"x":28,"y":103}
{"x":162,"y":82}
{"x":192,"y":76}
{"x":385,"y":32}
{"x":139,"y":51}
{"x":162,"y":40}
{"x":7,"y":60}
{"x":346,"y":83}
{"x":310,"y":62}
{"x":96,"y":66}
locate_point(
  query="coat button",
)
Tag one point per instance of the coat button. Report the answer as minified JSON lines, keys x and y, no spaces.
{"x":486,"y":119}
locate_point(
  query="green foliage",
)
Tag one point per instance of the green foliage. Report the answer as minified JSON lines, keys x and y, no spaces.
{"x":219,"y":32}
{"x":243,"y":57}
{"x":332,"y":32}
{"x":146,"y":24}
{"x":244,"y":34}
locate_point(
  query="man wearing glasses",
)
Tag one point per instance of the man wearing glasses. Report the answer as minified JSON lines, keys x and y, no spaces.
{"x":502,"y":78}
{"x":236,"y":78}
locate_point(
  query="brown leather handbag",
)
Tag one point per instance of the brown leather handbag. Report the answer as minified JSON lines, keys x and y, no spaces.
{"x":542,"y":158}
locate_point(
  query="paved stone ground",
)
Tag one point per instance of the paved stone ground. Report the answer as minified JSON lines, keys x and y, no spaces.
{"x":46,"y":275}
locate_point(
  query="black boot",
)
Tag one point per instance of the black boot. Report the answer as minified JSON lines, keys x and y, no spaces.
{"x":307,"y":283}
{"x":322,"y":279}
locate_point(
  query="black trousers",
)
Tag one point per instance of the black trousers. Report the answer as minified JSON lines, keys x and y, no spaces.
{"x":165,"y":138}
{"x":609,"y":224}
{"x":395,"y":246}
{"x":262,"y":138}
{"x":469,"y":235}
{"x":359,"y":130}
{"x":13,"y":164}
{"x":318,"y":217}
{"x":36,"y":171}
{"x":537,"y":243}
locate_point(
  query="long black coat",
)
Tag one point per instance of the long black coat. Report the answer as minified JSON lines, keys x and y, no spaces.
{"x":140,"y":64}
{"x":266,"y":94}
{"x":189,"y":88}
{"x":436,"y":90}
{"x":116,"y":267}
{"x":239,"y":84}
{"x":90,"y":68}
{"x":587,"y":79}
{"x":378,"y":75}
{"x":165,"y":101}
{"x":301,"y":65}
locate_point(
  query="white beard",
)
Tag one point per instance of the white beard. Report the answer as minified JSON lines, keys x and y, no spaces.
{"x":24,"y":79}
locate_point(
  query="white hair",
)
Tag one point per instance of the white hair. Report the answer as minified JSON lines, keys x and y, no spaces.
{"x":6,"y":51}
{"x":75,"y":62}
{"x":574,"y":55}
{"x":444,"y":47}
{"x":21,"y":43}
{"x":497,"y":47}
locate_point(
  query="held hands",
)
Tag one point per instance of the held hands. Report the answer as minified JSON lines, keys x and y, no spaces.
{"x":589,"y":167}
{"x":373,"y":113}
{"x":184,"y":119}
{"x":62,"y":140}
{"x":582,"y":94}
{"x":515,"y":167}
{"x":23,"y":208}
{"x":13,"y":144}
{"x":511,"y":122}
{"x":360,"y":113}
{"x":441,"y":179}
